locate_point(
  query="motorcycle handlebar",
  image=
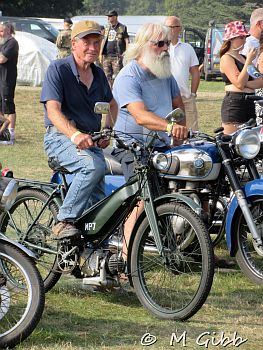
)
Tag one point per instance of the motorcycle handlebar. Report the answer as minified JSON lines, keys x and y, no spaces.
{"x":254,"y":97}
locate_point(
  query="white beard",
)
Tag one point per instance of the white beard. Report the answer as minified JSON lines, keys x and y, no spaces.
{"x":3,"y":40}
{"x":158,"y":65}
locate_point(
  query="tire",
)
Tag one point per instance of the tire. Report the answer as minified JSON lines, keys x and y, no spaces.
{"x":16,"y":222}
{"x":175,"y":286}
{"x":249,"y":257}
{"x":20,"y":284}
{"x":208,"y":77}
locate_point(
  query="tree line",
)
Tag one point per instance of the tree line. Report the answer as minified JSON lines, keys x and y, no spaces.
{"x":195,"y":14}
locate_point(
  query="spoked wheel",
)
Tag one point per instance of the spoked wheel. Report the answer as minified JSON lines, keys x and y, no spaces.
{"x":174,"y":284}
{"x":216,"y":228}
{"x":22,"y":296}
{"x":17,"y":224}
{"x":250,"y":257}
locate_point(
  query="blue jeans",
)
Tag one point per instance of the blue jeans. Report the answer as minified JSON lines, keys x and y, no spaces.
{"x":88,"y":166}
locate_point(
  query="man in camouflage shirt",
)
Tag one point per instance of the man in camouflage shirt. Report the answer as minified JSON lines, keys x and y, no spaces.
{"x":115,"y":42}
{"x":64,"y":39}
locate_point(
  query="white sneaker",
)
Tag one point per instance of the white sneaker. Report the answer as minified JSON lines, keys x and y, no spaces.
{"x":11,"y":142}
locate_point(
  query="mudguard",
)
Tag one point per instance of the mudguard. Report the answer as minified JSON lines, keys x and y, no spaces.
{"x":159,"y":200}
{"x":28,"y":252}
{"x":251,"y":189}
{"x":44,"y":187}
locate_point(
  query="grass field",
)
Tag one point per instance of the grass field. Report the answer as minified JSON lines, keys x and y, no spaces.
{"x":77,"y":319}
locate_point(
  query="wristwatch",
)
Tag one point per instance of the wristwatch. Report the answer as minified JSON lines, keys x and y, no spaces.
{"x":193,"y":94}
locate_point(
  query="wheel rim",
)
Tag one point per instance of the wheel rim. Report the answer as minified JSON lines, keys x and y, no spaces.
{"x":171,"y":281}
{"x":250,"y":252}
{"x":17,"y":223}
{"x":15,"y":295}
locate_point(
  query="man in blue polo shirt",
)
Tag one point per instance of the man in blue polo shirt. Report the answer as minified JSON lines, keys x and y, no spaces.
{"x":71,"y":88}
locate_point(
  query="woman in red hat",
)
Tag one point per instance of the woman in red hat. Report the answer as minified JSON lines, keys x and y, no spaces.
{"x":235,"y":108}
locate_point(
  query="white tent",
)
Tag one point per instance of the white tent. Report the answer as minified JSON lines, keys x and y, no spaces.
{"x":35,"y":54}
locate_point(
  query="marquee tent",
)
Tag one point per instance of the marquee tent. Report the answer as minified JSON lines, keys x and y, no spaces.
{"x":35,"y":55}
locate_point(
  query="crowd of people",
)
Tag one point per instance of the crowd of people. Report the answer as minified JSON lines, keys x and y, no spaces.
{"x":142,"y":81}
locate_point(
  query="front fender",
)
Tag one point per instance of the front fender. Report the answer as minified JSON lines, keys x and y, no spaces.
{"x":251,"y":189}
{"x":28,"y":252}
{"x":179,"y":198}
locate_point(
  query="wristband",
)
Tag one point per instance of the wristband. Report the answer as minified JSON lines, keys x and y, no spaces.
{"x":169,"y":128}
{"x":75,"y":135}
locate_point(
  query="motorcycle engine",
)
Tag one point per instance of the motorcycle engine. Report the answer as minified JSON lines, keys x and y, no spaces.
{"x":91,"y":262}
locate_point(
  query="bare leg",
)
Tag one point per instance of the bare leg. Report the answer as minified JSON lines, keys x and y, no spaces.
{"x":12,"y":120}
{"x":128,"y":227}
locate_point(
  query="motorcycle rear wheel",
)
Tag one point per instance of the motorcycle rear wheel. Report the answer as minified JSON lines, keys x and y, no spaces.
{"x":22,"y":296}
{"x":249,"y":257}
{"x":174,"y":285}
{"x":16,"y":222}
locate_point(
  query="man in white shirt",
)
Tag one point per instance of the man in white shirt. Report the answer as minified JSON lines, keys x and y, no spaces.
{"x":255,"y":31}
{"x":184,"y":62}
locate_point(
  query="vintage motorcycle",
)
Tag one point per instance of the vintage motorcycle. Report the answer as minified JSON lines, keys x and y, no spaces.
{"x":170,"y":255}
{"x":22,"y":295}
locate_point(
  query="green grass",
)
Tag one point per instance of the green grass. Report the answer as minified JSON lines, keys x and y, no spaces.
{"x":77,"y":319}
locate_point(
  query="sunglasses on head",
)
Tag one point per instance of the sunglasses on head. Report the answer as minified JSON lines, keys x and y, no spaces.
{"x":161,"y":43}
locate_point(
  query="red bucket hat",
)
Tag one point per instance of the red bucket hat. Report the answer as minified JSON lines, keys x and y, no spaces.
{"x":235,"y":29}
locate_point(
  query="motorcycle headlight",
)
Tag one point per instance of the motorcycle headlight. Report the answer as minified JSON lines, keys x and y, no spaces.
{"x":247,"y":144}
{"x":161,"y":162}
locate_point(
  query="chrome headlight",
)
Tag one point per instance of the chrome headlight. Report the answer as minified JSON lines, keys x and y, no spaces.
{"x":161,"y":162}
{"x":247,"y":144}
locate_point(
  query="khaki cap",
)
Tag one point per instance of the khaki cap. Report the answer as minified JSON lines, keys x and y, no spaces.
{"x":83,"y":28}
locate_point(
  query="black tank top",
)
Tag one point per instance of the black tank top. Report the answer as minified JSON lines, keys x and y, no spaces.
{"x":240,"y":66}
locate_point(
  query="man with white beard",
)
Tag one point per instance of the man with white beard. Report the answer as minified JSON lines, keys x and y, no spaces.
{"x":8,"y":75}
{"x":146,"y":92}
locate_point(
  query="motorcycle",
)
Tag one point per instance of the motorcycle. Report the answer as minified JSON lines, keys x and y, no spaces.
{"x":170,"y":255}
{"x":22,"y":296}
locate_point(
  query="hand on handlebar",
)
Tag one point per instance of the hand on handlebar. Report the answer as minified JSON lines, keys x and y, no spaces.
{"x":83,"y":141}
{"x":179,"y":132}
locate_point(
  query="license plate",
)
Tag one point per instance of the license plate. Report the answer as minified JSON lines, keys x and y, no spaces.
{"x":216,"y":65}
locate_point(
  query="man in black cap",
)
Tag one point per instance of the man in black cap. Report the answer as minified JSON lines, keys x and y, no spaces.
{"x":115,"y":42}
{"x":64,"y":39}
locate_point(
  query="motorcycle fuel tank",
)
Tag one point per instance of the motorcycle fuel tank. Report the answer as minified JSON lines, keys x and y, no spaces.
{"x":196,"y":161}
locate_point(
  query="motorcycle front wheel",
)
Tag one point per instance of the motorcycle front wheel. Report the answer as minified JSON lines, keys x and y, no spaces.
{"x":29,"y":224}
{"x":175,"y":283}
{"x":250,"y":257}
{"x":22,"y":296}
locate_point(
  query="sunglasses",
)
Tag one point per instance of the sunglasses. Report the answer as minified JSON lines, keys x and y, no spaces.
{"x":161,"y":43}
{"x":173,"y":27}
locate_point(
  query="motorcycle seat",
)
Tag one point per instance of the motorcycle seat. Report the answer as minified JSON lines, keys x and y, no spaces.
{"x":53,"y":163}
{"x":113,"y":165}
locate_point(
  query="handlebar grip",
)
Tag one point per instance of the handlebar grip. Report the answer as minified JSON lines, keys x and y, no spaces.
{"x":121,"y":144}
{"x":96,"y":137}
{"x":253,"y":97}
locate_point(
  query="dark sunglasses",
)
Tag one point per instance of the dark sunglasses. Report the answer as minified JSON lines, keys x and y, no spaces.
{"x":173,"y":27}
{"x":161,"y":43}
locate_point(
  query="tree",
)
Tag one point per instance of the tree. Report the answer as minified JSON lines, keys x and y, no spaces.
{"x":40,"y":8}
